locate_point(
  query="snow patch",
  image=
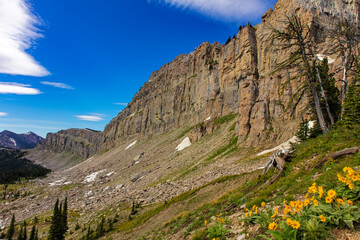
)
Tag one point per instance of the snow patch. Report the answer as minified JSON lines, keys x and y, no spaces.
{"x":58,"y":182}
{"x":286,"y":146}
{"x":322,"y":56}
{"x":132,"y":144}
{"x":207,"y":119}
{"x":91,"y":177}
{"x":109,"y":174}
{"x":13,"y":141}
{"x":311,"y":124}
{"x":132,"y":115}
{"x":184,"y":144}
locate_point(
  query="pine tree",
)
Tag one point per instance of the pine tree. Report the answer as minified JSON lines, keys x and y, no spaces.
{"x":332,"y":93}
{"x":54,"y":227}
{"x":352,"y":106}
{"x":64,"y":225}
{"x":11,"y":230}
{"x":303,"y":132}
{"x":32,"y":233}
{"x":24,"y":235}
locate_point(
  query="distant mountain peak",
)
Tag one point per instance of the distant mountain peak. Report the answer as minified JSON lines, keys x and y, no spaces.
{"x":10,"y":139}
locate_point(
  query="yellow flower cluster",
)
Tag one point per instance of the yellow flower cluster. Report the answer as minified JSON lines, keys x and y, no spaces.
{"x":272,"y":226}
{"x":293,"y":223}
{"x":351,"y":177}
{"x":322,"y":218}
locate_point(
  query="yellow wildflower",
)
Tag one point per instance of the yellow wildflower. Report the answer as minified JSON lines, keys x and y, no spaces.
{"x":263,"y":204}
{"x":322,"y":218}
{"x":222,"y":220}
{"x":306,"y":201}
{"x":205,"y":223}
{"x":340,"y":201}
{"x":350,"y":202}
{"x":351,"y":186}
{"x":253,"y":208}
{"x":275,"y":213}
{"x":328,"y":199}
{"x":287,"y":209}
{"x":250,"y":213}
{"x":247,"y":215}
{"x":295,"y":224}
{"x":288,"y":221}
{"x":292,"y":203}
{"x":348,"y":170}
{"x":313,"y":188}
{"x":272,"y":226}
{"x":331,"y":193}
{"x":316,"y":203}
{"x":321,"y":191}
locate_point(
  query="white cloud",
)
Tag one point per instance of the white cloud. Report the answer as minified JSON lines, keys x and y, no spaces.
{"x":17,"y":88}
{"x":58,"y":85}
{"x":18,"y":33}
{"x":3,"y":114}
{"x":121,"y":104}
{"x":227,"y":10}
{"x":90,"y":118}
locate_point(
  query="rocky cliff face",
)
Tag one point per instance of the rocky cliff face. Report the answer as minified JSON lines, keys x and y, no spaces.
{"x":215,"y":80}
{"x":82,"y":142}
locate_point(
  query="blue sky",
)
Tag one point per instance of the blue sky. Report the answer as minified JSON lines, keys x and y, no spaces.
{"x":76,"y":63}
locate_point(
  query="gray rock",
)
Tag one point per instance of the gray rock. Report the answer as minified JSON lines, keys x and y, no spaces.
{"x":241,"y":237}
{"x":135,"y":177}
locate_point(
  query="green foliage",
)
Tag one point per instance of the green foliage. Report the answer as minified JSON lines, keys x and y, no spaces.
{"x":332,"y":93}
{"x":351,"y":114}
{"x":213,"y":63}
{"x":13,"y":167}
{"x":11,"y":230}
{"x":225,"y":119}
{"x":303,"y":132}
{"x":58,"y":225}
{"x":218,"y":230}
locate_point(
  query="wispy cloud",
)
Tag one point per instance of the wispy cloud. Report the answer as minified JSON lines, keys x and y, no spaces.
{"x":58,"y":85}
{"x":121,"y":104}
{"x":17,"y":88}
{"x":91,"y":118}
{"x":226,"y":10}
{"x":18,"y":33}
{"x":3,"y":114}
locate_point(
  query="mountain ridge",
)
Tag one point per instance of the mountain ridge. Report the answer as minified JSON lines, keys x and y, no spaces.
{"x":13,"y":140}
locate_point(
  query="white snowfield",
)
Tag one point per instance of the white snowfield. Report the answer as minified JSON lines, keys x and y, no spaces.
{"x":58,"y":182}
{"x":286,"y":146}
{"x":184,"y":144}
{"x":132,"y":144}
{"x":207,"y":119}
{"x":91,"y":177}
{"x":14,"y":142}
{"x":322,"y":56}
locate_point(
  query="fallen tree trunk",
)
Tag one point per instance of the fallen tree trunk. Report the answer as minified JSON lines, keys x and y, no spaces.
{"x":335,"y":155}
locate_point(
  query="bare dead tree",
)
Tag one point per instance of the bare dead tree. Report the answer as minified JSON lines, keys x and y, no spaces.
{"x":296,"y":35}
{"x":347,"y":39}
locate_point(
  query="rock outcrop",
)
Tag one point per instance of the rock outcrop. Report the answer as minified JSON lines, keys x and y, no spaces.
{"x":215,"y":80}
{"x":82,"y":142}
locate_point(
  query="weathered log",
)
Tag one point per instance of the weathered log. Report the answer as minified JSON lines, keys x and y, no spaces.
{"x":335,"y":155}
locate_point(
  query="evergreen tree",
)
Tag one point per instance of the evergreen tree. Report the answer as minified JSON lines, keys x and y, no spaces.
{"x":88,"y":234}
{"x":32,"y":233}
{"x":100,"y":228}
{"x":64,"y":225}
{"x":54,"y":227}
{"x":11,"y":230}
{"x":20,"y":234}
{"x":24,"y":235}
{"x":303,"y":132}
{"x":332,"y":93}
{"x":352,"y":106}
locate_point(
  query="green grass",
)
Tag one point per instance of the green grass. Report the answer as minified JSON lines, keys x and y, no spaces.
{"x":294,"y":181}
{"x":225,"y":119}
